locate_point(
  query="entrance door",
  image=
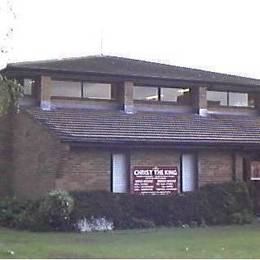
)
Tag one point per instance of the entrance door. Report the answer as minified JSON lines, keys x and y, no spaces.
{"x":189,"y":172}
{"x":120,"y":177}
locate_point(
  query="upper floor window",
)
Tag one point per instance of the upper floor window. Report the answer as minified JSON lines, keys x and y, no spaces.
{"x":217,"y":98}
{"x":231,"y":99}
{"x":79,"y":89}
{"x":96,"y":90}
{"x":146,"y":93}
{"x":28,"y":84}
{"x":66,"y":88}
{"x":177,"y":95}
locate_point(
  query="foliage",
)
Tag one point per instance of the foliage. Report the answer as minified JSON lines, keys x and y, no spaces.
{"x":50,"y":213}
{"x":211,"y":205}
{"x":11,"y":211}
{"x":217,"y":204}
{"x":55,"y":209}
{"x":10,"y":92}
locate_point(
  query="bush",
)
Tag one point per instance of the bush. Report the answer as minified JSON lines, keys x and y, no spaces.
{"x":214,"y":204}
{"x":55,"y":209}
{"x":11,"y":211}
{"x":50,"y":213}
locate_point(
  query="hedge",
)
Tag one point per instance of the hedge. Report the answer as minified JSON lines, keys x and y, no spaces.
{"x":216,"y":204}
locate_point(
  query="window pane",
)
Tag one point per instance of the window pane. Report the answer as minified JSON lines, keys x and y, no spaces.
{"x":145,"y":93}
{"x":27,"y":86}
{"x":179,"y":95}
{"x":66,"y":88}
{"x":238,"y":99}
{"x":96,"y":90}
{"x":217,"y":98}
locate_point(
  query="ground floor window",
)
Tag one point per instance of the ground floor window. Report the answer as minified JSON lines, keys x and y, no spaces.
{"x":188,"y":172}
{"x":119,"y":173}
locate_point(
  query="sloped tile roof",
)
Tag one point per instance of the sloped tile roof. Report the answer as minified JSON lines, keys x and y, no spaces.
{"x":98,"y":126}
{"x":119,"y":66}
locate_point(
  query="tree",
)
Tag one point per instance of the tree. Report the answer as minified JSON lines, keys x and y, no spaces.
{"x":10,"y":92}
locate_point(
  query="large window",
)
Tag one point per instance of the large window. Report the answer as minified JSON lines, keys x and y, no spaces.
{"x":119,"y":174}
{"x":66,"y":88}
{"x":189,"y":172}
{"x":231,"y":99}
{"x":80,"y":89}
{"x":28,"y":85}
{"x":238,"y":99}
{"x":177,"y":95}
{"x":146,"y":93}
{"x":217,"y":98}
{"x":96,"y":90}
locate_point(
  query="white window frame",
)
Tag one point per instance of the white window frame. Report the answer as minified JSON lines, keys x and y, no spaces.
{"x":189,"y":172}
{"x":120,"y":184}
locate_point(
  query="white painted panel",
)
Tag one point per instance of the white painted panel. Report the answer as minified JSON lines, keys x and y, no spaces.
{"x":120,"y":173}
{"x":189,"y":172}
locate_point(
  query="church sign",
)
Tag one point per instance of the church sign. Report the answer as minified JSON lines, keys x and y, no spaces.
{"x":161,"y":180}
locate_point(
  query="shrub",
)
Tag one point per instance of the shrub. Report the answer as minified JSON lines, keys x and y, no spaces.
{"x":216,"y":204}
{"x":55,"y":209}
{"x":11,"y":211}
{"x":211,"y":205}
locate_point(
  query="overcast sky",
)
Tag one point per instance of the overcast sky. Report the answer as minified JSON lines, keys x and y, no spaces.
{"x":216,"y":35}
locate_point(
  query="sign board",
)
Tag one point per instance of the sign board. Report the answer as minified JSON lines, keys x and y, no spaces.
{"x":154,"y":180}
{"x":255,"y":170}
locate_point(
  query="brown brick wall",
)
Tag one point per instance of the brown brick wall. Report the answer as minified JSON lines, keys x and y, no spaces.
{"x":155,"y":158}
{"x":214,"y":167}
{"x":42,"y":163}
{"x":87,"y":169}
{"x":5,"y":155}
{"x":36,"y":158}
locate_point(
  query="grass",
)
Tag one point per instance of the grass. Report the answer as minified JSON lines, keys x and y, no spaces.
{"x":210,"y":242}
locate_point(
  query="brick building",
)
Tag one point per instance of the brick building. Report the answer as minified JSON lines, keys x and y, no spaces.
{"x":91,"y":123}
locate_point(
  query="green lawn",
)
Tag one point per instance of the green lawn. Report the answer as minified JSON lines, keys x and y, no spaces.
{"x":211,"y":242}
